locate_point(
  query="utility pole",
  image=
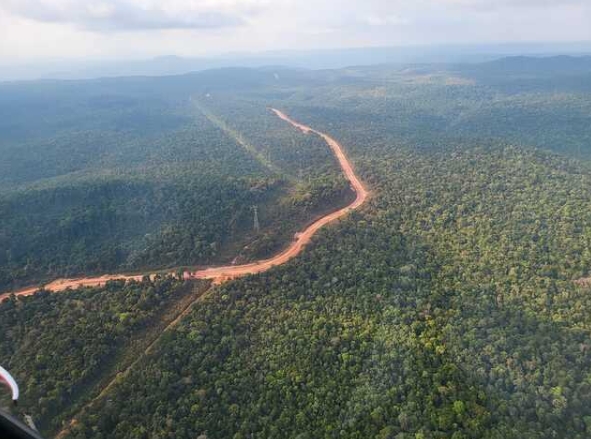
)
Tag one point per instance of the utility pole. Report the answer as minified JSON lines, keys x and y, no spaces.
{"x":257,"y":226}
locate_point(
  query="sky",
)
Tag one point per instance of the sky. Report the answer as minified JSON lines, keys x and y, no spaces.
{"x":34,"y":30}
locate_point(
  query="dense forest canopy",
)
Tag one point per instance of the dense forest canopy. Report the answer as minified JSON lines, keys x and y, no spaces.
{"x":61,"y":347}
{"x":454,"y":305}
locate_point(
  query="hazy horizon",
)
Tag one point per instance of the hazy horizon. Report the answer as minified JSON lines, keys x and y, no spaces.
{"x":328,"y":58}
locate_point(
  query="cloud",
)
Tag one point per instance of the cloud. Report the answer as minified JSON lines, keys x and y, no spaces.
{"x":130,"y":15}
{"x":519,"y":3}
{"x":44,"y":29}
{"x":385,"y":20}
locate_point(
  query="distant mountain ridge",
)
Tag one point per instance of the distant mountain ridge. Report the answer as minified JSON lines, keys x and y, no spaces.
{"x":534,"y":65}
{"x":307,"y":59}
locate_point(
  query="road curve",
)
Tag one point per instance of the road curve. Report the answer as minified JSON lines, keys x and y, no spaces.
{"x":221,"y":274}
{"x":228,"y":272}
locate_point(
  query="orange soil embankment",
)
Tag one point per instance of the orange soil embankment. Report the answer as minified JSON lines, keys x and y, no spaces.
{"x":64,"y":284}
{"x":224,"y":273}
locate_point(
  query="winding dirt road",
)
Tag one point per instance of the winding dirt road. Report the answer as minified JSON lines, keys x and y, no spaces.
{"x":220,"y":274}
{"x":228,"y":272}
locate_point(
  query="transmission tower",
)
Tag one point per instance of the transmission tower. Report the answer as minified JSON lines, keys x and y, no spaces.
{"x":257,"y":226}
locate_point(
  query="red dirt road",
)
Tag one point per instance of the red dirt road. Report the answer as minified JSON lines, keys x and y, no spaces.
{"x":224,"y":273}
{"x":64,"y":284}
{"x":221,"y":274}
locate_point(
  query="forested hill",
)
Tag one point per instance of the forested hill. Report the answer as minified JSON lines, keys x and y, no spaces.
{"x":535,"y":67}
{"x":454,"y":305}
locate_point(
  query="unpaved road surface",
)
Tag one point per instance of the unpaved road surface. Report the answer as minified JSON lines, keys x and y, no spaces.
{"x":224,"y":273}
{"x":64,"y":284}
{"x":220,"y":274}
